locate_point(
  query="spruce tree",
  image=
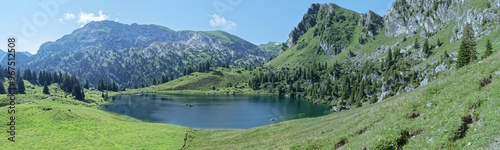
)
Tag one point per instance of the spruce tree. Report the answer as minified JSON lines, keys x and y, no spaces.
{"x":489,"y":49}
{"x":416,"y":45}
{"x":346,"y":89}
{"x":388,"y":61}
{"x":471,"y":41}
{"x":439,"y":43}
{"x":86,"y":84}
{"x":20,"y":86}
{"x":154,"y":82}
{"x":45,"y":88}
{"x":426,"y":49}
{"x":164,"y":78}
{"x":467,"y":52}
{"x":2,"y":88}
{"x":100,"y":85}
{"x":77,"y":92}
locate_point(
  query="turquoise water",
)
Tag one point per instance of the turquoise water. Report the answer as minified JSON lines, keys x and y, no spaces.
{"x":214,"y":112}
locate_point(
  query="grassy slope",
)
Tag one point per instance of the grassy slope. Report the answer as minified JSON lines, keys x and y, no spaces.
{"x":225,"y":81}
{"x":380,"y":125}
{"x":84,"y":127}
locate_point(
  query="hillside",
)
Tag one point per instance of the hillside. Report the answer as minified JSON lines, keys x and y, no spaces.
{"x":273,"y":48}
{"x":59,"y":121}
{"x":453,"y":112}
{"x":134,"y":54}
{"x":219,"y":81}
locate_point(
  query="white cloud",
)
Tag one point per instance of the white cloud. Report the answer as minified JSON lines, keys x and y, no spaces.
{"x":84,"y":17}
{"x":67,"y":16}
{"x":220,"y":21}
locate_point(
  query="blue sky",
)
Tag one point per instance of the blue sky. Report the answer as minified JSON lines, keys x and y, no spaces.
{"x":34,"y":22}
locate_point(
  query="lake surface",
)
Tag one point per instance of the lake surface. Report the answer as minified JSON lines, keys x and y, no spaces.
{"x":215,"y":112}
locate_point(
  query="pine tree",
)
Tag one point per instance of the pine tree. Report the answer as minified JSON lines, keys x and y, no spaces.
{"x":86,"y":84}
{"x":55,"y":79}
{"x":45,"y":88}
{"x":416,"y":45}
{"x":77,"y":92}
{"x":2,"y":88}
{"x":346,"y":89}
{"x":100,"y":85}
{"x":20,"y":86}
{"x":154,"y":82}
{"x":426,"y":49}
{"x":388,"y":60}
{"x":489,"y":49}
{"x":467,"y":52}
{"x":471,"y":41}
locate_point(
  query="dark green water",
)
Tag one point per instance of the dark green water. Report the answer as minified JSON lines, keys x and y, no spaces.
{"x":216,"y":112}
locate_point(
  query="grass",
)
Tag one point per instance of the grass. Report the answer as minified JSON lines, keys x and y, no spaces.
{"x":44,"y":122}
{"x":219,"y":81}
{"x":403,"y":121}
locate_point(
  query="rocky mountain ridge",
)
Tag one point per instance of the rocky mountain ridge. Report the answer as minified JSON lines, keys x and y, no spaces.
{"x":133,"y":54}
{"x":408,"y":16}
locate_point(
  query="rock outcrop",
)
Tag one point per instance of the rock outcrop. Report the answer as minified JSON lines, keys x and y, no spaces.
{"x":408,"y":16}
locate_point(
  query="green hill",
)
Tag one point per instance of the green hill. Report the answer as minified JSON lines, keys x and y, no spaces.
{"x":454,"y":112}
{"x":61,"y":122}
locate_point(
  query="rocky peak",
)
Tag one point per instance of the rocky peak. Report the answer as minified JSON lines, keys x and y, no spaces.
{"x":308,"y":21}
{"x":371,"y":24}
{"x":408,"y":16}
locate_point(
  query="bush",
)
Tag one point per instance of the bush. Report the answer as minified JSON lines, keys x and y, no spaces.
{"x":486,"y":81}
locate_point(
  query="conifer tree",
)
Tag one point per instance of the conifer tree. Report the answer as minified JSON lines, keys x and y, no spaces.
{"x":439,"y":43}
{"x":467,"y":52}
{"x":388,"y":61}
{"x":416,"y":45}
{"x":20,"y":86}
{"x":346,"y":89}
{"x":489,"y":49}
{"x":154,"y":82}
{"x":45,"y":88}
{"x":86,"y":84}
{"x":2,"y":88}
{"x":426,"y":49}
{"x":77,"y":92}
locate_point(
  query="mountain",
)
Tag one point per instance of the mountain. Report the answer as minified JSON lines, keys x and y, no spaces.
{"x":26,"y":53}
{"x":2,"y":53}
{"x":325,"y":31}
{"x":432,"y":16}
{"x":133,"y":54}
{"x":272,"y":48}
{"x":21,"y":58}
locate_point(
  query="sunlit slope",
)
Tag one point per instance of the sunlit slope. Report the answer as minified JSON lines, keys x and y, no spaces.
{"x":455,"y":111}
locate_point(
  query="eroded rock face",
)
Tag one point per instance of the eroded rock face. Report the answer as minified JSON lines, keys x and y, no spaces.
{"x":371,"y":23}
{"x":407,"y":16}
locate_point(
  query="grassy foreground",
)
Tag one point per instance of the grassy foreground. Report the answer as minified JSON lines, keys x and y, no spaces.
{"x":453,"y":112}
{"x":59,"y":122}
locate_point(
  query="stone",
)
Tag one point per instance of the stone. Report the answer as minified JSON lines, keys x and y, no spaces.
{"x":424,"y":82}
